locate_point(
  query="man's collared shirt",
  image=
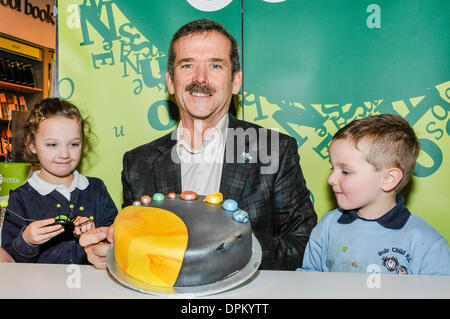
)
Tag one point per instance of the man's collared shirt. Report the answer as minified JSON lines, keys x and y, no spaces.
{"x":44,"y":188}
{"x":201,"y":169}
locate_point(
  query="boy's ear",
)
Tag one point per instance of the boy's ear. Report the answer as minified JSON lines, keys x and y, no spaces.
{"x":392,"y":177}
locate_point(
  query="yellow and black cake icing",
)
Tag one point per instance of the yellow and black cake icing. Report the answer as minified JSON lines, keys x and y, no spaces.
{"x":175,"y":242}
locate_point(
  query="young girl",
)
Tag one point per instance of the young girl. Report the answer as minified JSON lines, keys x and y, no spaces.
{"x":54,"y":135}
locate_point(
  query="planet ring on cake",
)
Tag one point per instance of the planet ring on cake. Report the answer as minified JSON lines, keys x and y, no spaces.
{"x":183,"y":246}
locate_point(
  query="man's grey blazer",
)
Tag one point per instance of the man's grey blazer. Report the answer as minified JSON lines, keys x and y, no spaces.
{"x":261,"y":172}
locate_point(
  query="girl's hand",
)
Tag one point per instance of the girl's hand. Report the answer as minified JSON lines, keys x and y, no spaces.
{"x":5,"y":257}
{"x":39,"y":232}
{"x":83,"y":228}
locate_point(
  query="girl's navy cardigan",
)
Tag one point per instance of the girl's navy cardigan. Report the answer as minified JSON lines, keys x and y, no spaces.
{"x":63,"y":249}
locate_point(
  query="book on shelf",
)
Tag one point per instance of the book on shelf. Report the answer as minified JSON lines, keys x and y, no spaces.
{"x":4,"y":146}
{"x":11,"y":102}
{"x":3,"y":106}
{"x":22,"y":104}
{"x":13,"y":105}
{"x":16,"y":72}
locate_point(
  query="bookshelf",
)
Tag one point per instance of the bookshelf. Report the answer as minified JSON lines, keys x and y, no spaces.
{"x":6,"y":86}
{"x":24,"y":81}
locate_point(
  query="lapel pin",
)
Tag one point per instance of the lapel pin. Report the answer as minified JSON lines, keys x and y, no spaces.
{"x":247,"y":156}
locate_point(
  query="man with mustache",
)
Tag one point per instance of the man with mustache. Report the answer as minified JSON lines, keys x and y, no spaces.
{"x":212,"y":151}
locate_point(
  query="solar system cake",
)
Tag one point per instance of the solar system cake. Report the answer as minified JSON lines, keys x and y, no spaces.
{"x":182,"y":240}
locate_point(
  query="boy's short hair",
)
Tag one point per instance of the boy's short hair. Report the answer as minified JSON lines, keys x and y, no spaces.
{"x":393,"y":142}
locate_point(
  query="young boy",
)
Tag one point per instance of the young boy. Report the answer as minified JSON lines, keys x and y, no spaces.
{"x":372,"y":159}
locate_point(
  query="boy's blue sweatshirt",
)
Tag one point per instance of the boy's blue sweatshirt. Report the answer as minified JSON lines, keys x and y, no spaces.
{"x":398,"y":242}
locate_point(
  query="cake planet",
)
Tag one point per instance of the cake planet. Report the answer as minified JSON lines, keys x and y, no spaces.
{"x":174,"y":242}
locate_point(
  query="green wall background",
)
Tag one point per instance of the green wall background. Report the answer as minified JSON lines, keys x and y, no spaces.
{"x":309,"y":67}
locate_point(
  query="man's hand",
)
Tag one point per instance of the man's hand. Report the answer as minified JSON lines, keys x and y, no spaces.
{"x":96,"y":243}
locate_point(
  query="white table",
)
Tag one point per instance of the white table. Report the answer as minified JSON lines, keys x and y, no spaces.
{"x":44,"y":281}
